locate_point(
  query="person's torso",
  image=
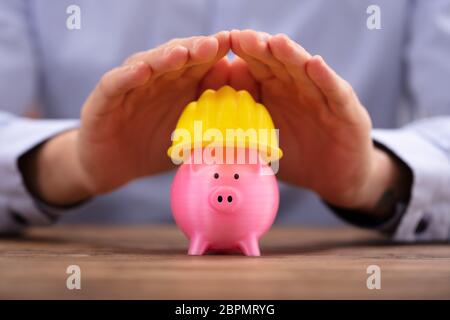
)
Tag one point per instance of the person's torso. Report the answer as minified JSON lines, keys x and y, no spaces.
{"x":72,"y":61}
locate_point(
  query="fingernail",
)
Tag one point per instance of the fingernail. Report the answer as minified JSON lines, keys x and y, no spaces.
{"x":170,"y":50}
{"x":282,"y":35}
{"x":136,"y":65}
{"x":197,"y":43}
{"x":263,"y":37}
{"x":322,"y":61}
{"x":223,"y":32}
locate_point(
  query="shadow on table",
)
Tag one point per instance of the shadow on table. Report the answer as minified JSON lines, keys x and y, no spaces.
{"x":94,"y":246}
{"x":320,"y":246}
{"x":97,"y":246}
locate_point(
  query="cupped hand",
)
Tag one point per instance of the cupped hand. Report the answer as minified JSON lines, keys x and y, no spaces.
{"x":325,"y":132}
{"x":127,"y":120}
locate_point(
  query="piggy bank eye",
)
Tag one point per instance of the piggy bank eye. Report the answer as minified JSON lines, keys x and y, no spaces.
{"x":236,"y":176}
{"x":216,"y":176}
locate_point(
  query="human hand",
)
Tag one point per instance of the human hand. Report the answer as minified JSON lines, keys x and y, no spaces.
{"x":325,"y":132}
{"x":126,"y":121}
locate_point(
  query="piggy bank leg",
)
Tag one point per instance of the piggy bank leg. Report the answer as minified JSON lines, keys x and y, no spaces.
{"x":197,"y":245}
{"x":249,"y":246}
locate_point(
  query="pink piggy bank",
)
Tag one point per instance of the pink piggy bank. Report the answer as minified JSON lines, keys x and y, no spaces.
{"x":224,"y":207}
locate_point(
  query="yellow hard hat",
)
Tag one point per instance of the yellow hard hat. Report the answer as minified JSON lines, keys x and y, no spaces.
{"x":207,"y":122}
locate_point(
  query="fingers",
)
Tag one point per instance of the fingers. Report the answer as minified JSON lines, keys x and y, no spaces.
{"x":294,"y":58}
{"x":234,"y":73}
{"x":199,"y":51}
{"x":259,"y":70}
{"x":256,"y":45}
{"x":169,"y":57}
{"x":217,"y":76}
{"x":203,"y":57}
{"x":116,"y":83}
{"x":224,"y":41}
{"x":164,"y":59}
{"x":240,"y":78}
{"x":291,"y":55}
{"x":338,"y":92}
{"x":191,"y":57}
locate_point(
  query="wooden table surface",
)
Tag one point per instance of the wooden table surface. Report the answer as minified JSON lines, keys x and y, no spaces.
{"x":150,"y":262}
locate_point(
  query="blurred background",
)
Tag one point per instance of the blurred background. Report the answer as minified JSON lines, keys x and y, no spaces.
{"x":394,"y":53}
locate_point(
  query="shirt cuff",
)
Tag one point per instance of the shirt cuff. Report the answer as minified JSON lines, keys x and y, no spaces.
{"x":361,"y":219}
{"x":425,"y":217}
{"x":18,"y":208}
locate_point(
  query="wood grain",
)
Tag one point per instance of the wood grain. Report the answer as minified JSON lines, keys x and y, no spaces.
{"x":150,"y":262}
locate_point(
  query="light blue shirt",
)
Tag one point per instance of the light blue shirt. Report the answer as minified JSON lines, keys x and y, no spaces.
{"x":400,"y":72}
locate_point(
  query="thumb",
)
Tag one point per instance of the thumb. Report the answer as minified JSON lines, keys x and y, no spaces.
{"x":113,"y":86}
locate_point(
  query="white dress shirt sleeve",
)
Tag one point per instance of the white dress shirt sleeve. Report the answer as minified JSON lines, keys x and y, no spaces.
{"x":18,"y":91}
{"x":424,"y":147}
{"x":18,"y":135}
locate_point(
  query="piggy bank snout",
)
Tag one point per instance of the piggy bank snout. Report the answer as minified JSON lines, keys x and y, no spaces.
{"x":224,"y":199}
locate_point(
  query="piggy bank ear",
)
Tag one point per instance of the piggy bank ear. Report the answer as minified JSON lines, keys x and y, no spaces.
{"x":195,"y":168}
{"x":189,"y":161}
{"x":266,"y":166}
